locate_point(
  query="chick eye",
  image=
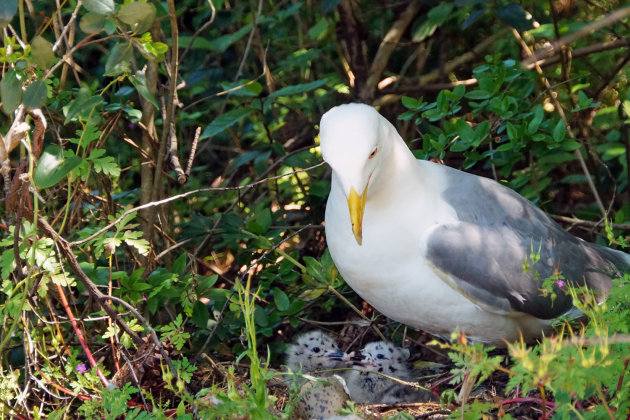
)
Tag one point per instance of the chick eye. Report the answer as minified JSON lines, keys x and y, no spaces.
{"x":315,"y":349}
{"x":380,"y":356}
{"x":373,"y":153}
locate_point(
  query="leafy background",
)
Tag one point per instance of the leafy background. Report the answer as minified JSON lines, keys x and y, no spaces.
{"x":161,"y":172}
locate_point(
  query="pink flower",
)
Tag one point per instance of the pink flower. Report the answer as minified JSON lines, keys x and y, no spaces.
{"x":81,"y":368}
{"x":560,"y":283}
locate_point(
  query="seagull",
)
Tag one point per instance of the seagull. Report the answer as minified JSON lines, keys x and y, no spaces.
{"x":443,"y":250}
{"x":367,"y":387}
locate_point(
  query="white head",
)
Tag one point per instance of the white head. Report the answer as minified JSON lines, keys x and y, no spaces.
{"x":313,"y":351}
{"x":386,"y":358}
{"x":355,"y":141}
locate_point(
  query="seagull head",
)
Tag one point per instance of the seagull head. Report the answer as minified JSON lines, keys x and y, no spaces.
{"x":354,"y":140}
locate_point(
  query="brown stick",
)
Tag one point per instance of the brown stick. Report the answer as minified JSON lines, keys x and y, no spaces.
{"x":387,"y":47}
{"x":556,"y":46}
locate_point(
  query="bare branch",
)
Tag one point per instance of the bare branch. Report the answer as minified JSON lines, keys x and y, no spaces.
{"x":556,"y":46}
{"x":387,"y":47}
{"x":187,"y":194}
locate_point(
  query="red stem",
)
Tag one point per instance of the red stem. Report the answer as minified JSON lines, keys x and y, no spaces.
{"x":526,"y":400}
{"x":77,"y":331}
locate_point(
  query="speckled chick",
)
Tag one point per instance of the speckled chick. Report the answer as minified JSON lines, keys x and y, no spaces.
{"x":313,"y":352}
{"x":367,"y":387}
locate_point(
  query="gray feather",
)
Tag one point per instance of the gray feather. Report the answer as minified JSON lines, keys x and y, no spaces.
{"x":483,"y":254}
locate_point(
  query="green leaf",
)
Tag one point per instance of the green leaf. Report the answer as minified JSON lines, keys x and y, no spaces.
{"x":533,"y":125}
{"x":260,"y":316}
{"x":139,"y":81}
{"x":570,"y":145}
{"x":559,"y":132}
{"x":7,"y":263}
{"x":141,"y":245}
{"x":197,"y":44}
{"x":92,"y":23}
{"x":119,"y":59}
{"x":408,"y":102}
{"x":82,"y":105}
{"x":425,"y":30}
{"x":8,"y":8}
{"x":459,"y":92}
{"x":512,"y":131}
{"x":42,"y":52}
{"x":440,"y":14}
{"x":35,"y":94}
{"x":478,"y":94}
{"x":297,"y":89}
{"x":180,"y":264}
{"x":106,"y":165}
{"x":101,"y":7}
{"x":280,"y":299}
{"x":222,"y":43}
{"x":139,"y":16}
{"x":318,"y":31}
{"x":260,"y":222}
{"x":223,"y":122}
{"x":53,"y":166}
{"x":10,"y":91}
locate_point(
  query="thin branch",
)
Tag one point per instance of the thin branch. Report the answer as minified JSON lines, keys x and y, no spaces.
{"x":556,"y":46}
{"x":580,"y":222}
{"x":193,"y":151}
{"x":387,"y":47}
{"x":200,"y":30}
{"x":560,"y":110}
{"x":249,"y":40}
{"x":64,"y":247}
{"x":579,"y":52}
{"x":67,"y":27}
{"x":184,"y":195}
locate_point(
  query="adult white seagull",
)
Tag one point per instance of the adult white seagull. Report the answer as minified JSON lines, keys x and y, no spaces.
{"x":441,"y":249}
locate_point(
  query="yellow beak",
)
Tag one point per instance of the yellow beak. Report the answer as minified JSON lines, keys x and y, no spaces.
{"x":356,"y":205}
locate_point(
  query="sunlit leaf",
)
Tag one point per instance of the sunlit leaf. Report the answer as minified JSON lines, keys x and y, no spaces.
{"x":92,"y":22}
{"x":139,"y":16}
{"x":53,"y":166}
{"x":42,"y":52}
{"x":102,"y":7}
{"x":139,"y":81}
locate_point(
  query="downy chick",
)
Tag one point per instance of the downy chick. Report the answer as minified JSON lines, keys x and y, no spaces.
{"x":313,"y":352}
{"x":365,"y":386}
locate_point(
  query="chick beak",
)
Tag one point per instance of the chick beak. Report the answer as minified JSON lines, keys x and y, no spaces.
{"x":356,"y":205}
{"x":338,"y":355}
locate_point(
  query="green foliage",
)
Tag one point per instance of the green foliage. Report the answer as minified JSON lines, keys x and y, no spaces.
{"x":257,"y":82}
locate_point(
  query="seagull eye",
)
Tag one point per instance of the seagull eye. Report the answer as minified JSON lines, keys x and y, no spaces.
{"x":373,"y":153}
{"x":315,"y":349}
{"x":380,"y":356}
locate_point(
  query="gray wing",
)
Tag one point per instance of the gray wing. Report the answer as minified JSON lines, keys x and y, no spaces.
{"x":483,"y":255}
